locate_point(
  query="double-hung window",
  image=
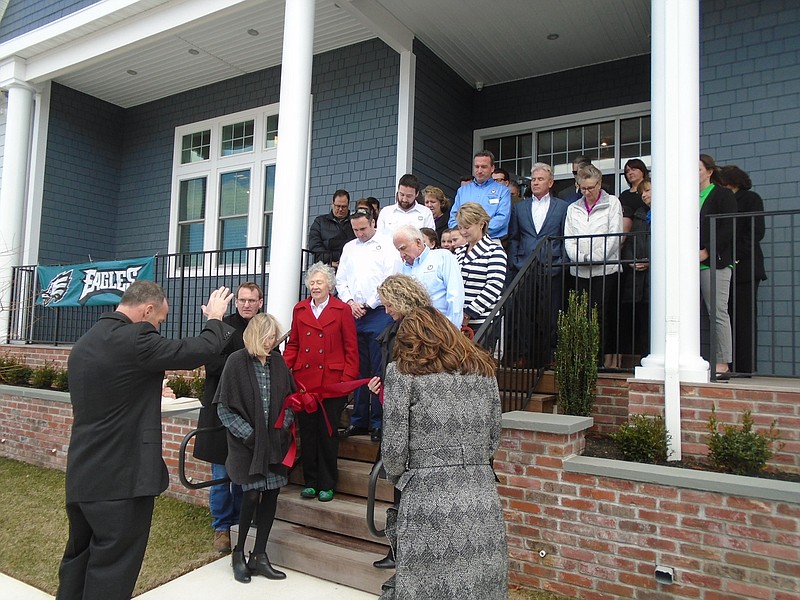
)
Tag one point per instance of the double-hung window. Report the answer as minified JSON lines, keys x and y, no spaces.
{"x":223,"y":187}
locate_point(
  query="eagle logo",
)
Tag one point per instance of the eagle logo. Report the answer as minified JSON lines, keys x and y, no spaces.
{"x":57,"y":288}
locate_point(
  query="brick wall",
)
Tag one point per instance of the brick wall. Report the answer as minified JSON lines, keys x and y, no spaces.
{"x":596,"y":537}
{"x":36,"y":428}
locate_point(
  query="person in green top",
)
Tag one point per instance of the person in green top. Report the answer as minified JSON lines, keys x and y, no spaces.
{"x":716,"y":199}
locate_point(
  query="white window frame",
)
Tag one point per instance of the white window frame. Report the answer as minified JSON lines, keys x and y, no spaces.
{"x":607,"y":166}
{"x":213,"y":168}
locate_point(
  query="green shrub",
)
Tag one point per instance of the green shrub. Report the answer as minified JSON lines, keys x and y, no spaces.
{"x":181,"y":386}
{"x":739,"y":449}
{"x":198,"y":385}
{"x":61,"y":381}
{"x":14,"y":372}
{"x":643,"y":439}
{"x":577,"y":353}
{"x":43,"y":377}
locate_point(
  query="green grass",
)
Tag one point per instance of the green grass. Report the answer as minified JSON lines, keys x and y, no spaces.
{"x":35,"y":531}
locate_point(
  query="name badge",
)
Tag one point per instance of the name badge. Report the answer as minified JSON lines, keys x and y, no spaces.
{"x":494,"y":200}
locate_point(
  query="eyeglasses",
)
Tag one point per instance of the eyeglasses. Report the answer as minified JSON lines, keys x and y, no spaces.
{"x":590,"y":188}
{"x":248,"y":301}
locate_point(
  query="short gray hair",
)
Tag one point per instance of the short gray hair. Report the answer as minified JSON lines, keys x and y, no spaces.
{"x":540,"y":166}
{"x":322,"y":269}
{"x":589,"y":173}
{"x":410,"y":232}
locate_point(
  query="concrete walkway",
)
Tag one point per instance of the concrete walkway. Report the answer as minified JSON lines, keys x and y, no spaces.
{"x":215,"y":580}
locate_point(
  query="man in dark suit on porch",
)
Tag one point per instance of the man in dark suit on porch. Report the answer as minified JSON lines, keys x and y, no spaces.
{"x":532,"y":220}
{"x":114,"y":464}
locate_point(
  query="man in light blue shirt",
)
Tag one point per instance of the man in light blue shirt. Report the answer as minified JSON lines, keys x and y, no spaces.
{"x":437,"y":270}
{"x":493,"y":196}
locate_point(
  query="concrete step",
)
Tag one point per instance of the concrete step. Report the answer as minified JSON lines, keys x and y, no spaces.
{"x":346,"y":515}
{"x":353,"y":480}
{"x":344,"y":560}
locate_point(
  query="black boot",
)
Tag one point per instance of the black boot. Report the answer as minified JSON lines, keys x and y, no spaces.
{"x":385,"y":563}
{"x":240,"y":571}
{"x":259,"y":564}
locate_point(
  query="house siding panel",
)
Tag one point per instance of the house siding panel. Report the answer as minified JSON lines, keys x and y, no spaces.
{"x":442,"y":122}
{"x":22,"y":16}
{"x":81,"y":183}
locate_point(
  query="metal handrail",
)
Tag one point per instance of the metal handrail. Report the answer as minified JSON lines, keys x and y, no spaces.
{"x":182,"y":460}
{"x":374,"y":475}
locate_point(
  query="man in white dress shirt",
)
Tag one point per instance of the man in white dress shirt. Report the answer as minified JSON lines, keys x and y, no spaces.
{"x":406,"y":210}
{"x":366,"y":261}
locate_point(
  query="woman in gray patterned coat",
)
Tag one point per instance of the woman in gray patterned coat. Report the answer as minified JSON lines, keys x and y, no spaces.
{"x":441,"y":428}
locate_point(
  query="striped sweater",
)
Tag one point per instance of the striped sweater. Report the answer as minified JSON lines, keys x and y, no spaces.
{"x":483,"y":270}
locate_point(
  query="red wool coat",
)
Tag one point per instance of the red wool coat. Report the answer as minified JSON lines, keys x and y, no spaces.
{"x":325,"y":350}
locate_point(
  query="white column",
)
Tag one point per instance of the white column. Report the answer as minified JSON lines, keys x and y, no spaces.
{"x":13,"y":191}
{"x":675,"y":292}
{"x":291,"y":169}
{"x":405,"y":114}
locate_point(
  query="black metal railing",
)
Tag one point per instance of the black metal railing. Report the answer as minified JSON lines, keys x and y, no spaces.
{"x":187,"y":279}
{"x":764,"y":312}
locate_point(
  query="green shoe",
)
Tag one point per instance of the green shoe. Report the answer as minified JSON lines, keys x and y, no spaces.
{"x":308,"y":492}
{"x":325,"y":495}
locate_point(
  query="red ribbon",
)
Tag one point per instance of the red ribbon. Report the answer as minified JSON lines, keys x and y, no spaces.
{"x":309,"y":401}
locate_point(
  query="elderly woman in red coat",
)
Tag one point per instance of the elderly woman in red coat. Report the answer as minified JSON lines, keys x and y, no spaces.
{"x":322,"y":350}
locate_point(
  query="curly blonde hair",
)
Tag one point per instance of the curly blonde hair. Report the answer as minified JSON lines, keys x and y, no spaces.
{"x":404,"y":293}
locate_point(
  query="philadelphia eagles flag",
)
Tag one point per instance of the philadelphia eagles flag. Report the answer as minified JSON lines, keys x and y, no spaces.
{"x":90,"y":284}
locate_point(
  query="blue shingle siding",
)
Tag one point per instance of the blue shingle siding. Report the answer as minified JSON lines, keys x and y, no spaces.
{"x":22,"y":16}
{"x":354,"y":137}
{"x":442,"y":122}
{"x":614,"y":83}
{"x":750,"y":116}
{"x":81,"y":183}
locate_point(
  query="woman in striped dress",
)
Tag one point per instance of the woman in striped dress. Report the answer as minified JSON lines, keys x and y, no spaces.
{"x":483,"y":264}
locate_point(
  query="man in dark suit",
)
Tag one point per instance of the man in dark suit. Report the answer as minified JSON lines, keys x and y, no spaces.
{"x":225,"y":499}
{"x":572,"y":193}
{"x":532,"y":220}
{"x":114,"y":464}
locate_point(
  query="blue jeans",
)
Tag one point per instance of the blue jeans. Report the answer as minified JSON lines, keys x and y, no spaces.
{"x":367,"y":408}
{"x":224,"y":501}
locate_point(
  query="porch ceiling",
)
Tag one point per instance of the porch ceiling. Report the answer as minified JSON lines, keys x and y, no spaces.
{"x":488,"y":43}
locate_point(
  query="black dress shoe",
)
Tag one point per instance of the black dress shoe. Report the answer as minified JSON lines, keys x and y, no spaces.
{"x":260,"y":565}
{"x":240,"y":571}
{"x":376,"y":435}
{"x":386,"y":562}
{"x":354,"y":430}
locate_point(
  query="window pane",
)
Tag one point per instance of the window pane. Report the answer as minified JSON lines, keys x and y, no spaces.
{"x":269,"y":188}
{"x":607,"y":133}
{"x":196,"y":147}
{"x":192,"y":201}
{"x":272,"y":131}
{"x":590,"y":139}
{"x":233,"y":233}
{"x":559,"y":140}
{"x":237,"y":138}
{"x":646,"y":129}
{"x":545,"y":143}
{"x":268,"y":234}
{"x":629,"y":131}
{"x":508,"y":148}
{"x":190,"y":237}
{"x":575,"y":139}
{"x":493,"y":146}
{"x":525,"y":145}
{"x":524,"y":167}
{"x":234,"y":194}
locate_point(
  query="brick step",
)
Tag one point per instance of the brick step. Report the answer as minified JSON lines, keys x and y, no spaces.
{"x":344,"y":560}
{"x":543,"y":403}
{"x":346,"y":515}
{"x":353,"y":480}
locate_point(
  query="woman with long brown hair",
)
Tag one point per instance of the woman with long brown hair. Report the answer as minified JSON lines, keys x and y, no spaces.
{"x":441,"y":428}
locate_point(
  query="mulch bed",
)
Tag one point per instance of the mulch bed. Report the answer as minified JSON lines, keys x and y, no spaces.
{"x":602,"y":446}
